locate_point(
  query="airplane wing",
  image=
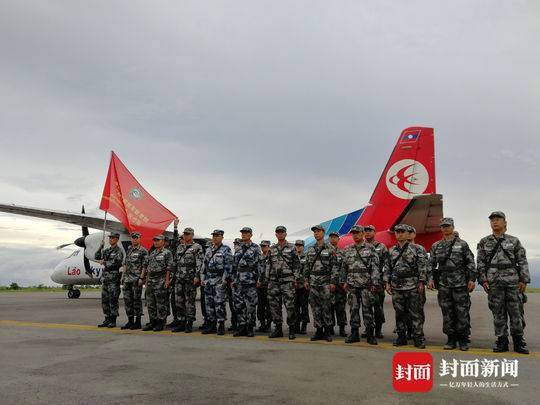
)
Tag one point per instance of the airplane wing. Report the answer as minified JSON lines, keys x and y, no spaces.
{"x":69,"y":217}
{"x":424,"y":212}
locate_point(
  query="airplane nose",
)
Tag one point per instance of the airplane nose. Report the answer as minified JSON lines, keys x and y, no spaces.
{"x":57,"y":273}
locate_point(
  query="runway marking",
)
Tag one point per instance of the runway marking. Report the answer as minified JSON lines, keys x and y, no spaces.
{"x":298,"y":340}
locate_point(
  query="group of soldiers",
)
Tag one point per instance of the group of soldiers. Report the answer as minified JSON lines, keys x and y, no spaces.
{"x":257,"y":281}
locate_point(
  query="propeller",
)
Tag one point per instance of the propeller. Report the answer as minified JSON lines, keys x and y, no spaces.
{"x":85,"y":233}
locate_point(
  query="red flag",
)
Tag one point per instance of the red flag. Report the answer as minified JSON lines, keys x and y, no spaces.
{"x":125,"y":198}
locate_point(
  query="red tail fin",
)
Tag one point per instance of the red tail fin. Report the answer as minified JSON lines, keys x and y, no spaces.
{"x":410,"y":171}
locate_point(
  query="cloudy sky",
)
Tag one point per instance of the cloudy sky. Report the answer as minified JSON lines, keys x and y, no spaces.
{"x":270,"y":111}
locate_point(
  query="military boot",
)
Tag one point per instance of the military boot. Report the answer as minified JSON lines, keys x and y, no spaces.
{"x":364,"y":334}
{"x":419,"y":342}
{"x":303,"y":328}
{"x":189,"y":326}
{"x":319,"y":335}
{"x":519,"y":344}
{"x":401,"y":339}
{"x":250,"y":331}
{"x":501,"y":344}
{"x":221,"y":328}
{"x":378,"y":331}
{"x":105,"y":322}
{"x":354,"y":336}
{"x":175,"y":322}
{"x":329,"y":332}
{"x":292,"y":330}
{"x":180,"y":327}
{"x":463,"y":343}
{"x":450,"y":343}
{"x":277,"y":333}
{"x":129,"y":324}
{"x":149,"y":326}
{"x":159,"y":326}
{"x":370,"y":336}
{"x":204,"y":325}
{"x":262,"y":327}
{"x":136,"y":324}
{"x":241,"y":331}
{"x":210,"y":329}
{"x":342,"y":332}
{"x":112,"y":322}
{"x":233,"y":326}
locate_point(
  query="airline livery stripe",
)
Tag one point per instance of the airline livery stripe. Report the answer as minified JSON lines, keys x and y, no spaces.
{"x":351,"y":220}
{"x":336,"y":224}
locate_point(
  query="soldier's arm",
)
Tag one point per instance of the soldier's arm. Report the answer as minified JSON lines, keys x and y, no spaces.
{"x":521,"y":261}
{"x":468,"y":258}
{"x":422,"y":266}
{"x":296,"y":268}
{"x":432,"y":263}
{"x":387,"y":272}
{"x":307,"y":268}
{"x":375,"y":269}
{"x":99,"y":254}
{"x":204,"y":267}
{"x":199,"y":261}
{"x":335,"y":264}
{"x":481,"y":263}
{"x":228,"y":270}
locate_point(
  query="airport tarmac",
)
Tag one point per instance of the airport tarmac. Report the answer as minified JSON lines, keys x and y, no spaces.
{"x":51,"y":352}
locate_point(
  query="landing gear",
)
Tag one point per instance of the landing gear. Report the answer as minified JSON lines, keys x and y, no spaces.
{"x":73,"y":293}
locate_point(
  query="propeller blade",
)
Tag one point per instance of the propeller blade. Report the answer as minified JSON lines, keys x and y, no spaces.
{"x":87,"y":268}
{"x":84,"y":228}
{"x":63,"y":246}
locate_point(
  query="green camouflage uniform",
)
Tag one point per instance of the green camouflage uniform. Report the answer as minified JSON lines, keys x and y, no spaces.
{"x":378,"y":302}
{"x":112,"y":257}
{"x":339,"y":298}
{"x":133,"y":263}
{"x":320,"y":270}
{"x":361,"y":271}
{"x":453,"y":269}
{"x":157,"y":264}
{"x":188,"y":263}
{"x":503,"y":273}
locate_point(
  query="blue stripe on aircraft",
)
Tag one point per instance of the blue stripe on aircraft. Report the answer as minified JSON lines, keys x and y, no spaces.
{"x":351,"y":220}
{"x":336,"y":224}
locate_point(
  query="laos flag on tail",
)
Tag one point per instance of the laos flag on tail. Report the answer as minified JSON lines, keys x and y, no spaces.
{"x":125,"y":198}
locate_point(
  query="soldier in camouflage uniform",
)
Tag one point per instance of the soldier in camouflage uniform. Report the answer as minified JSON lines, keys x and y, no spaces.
{"x":453,"y":273}
{"x":378,"y":295}
{"x":263,"y":306}
{"x":230,"y":293}
{"x":246,"y":273}
{"x":112,"y":259}
{"x":321,"y":277}
{"x":133,"y":266}
{"x":411,"y":236}
{"x":157,"y":272}
{"x":283,"y":274}
{"x":188,"y":262}
{"x":301,"y":301}
{"x":339,"y":298}
{"x":405,"y":275}
{"x":216,"y":272}
{"x":503,"y":272}
{"x":360,"y":276}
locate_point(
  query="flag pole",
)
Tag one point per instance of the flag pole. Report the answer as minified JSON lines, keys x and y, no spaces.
{"x":105,"y":217}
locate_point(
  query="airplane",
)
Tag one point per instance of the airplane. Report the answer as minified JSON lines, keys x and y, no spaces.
{"x":405,"y":193}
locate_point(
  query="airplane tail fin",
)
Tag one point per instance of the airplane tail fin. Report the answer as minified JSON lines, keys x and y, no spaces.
{"x":410,"y":172}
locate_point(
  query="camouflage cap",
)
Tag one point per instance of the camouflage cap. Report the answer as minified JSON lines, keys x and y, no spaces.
{"x":317,"y":228}
{"x":246,"y":229}
{"x":299,"y":242}
{"x":357,"y":228}
{"x":218,"y":232}
{"x":401,"y":228}
{"x":114,"y":235}
{"x":166,"y":238}
{"x":447,"y":222}
{"x":265,"y":243}
{"x":158,"y":237}
{"x":334,"y":233}
{"x":411,"y":229}
{"x":135,"y":235}
{"x":189,"y":231}
{"x":237,"y":241}
{"x":497,"y":214}
{"x":281,"y":228}
{"x":369,"y":228}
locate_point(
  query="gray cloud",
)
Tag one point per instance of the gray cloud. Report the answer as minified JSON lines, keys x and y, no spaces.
{"x":287,"y":110}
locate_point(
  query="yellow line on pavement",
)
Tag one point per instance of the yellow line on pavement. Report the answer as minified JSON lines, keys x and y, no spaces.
{"x":301,"y":339}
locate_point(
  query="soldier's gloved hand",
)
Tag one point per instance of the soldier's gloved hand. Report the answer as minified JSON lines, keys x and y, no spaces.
{"x":176,"y":222}
{"x":306,"y":285}
{"x":167,"y":284}
{"x":522,"y":287}
{"x":485,"y":285}
{"x":470,"y":286}
{"x":332,"y":288}
{"x":345,"y":287}
{"x":420,"y":287}
{"x":431,"y":286}
{"x":196,"y":281}
{"x":141,"y":282}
